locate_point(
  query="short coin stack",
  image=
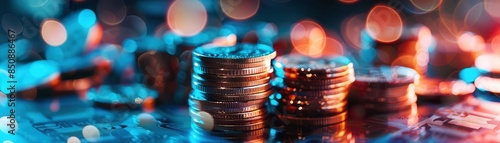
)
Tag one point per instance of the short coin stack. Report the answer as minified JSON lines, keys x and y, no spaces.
{"x":311,"y":91}
{"x":384,"y":88}
{"x":230,"y":88}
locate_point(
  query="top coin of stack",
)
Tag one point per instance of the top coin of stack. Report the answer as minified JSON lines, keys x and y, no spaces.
{"x":230,"y":88}
{"x":384,"y":88}
{"x":311,"y":91}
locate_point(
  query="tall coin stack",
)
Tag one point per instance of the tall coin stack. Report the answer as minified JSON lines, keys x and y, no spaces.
{"x":384,"y":88}
{"x":311,"y":91}
{"x":231,"y":86}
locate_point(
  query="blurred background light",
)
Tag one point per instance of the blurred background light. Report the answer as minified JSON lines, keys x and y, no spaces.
{"x":186,"y":17}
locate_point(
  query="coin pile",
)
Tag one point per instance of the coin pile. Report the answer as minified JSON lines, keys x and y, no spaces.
{"x":231,"y":86}
{"x":384,"y":88}
{"x":311,"y":91}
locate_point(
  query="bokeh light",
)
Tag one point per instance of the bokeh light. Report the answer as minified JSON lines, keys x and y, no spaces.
{"x":352,"y":28}
{"x":53,"y":32}
{"x":495,"y":44}
{"x":348,"y":1}
{"x":239,"y":9}
{"x":492,"y":8}
{"x":111,"y":12}
{"x":308,"y":38}
{"x":4,"y":121}
{"x":186,"y":17}
{"x":333,"y":48}
{"x":384,"y":24}
{"x":488,"y":62}
{"x":87,"y":18}
{"x":471,"y":42}
{"x":73,"y":139}
{"x":426,"y":5}
{"x":94,"y":37}
{"x":91,"y":133}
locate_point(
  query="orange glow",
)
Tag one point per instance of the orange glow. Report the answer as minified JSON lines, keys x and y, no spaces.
{"x":186,"y":17}
{"x":229,"y":40}
{"x":407,"y":61}
{"x":384,"y":24}
{"x":333,"y":48}
{"x":308,"y":38}
{"x":239,"y":9}
{"x":470,"y":42}
{"x":426,"y":5}
{"x":488,"y":62}
{"x":352,"y":29}
{"x":29,"y":94}
{"x":53,"y":32}
{"x":148,"y":105}
{"x":495,"y":44}
{"x":93,"y":37}
{"x":348,"y":1}
{"x":425,"y":39}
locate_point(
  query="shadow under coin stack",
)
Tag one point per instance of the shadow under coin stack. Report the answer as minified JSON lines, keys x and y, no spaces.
{"x":230,"y":88}
{"x":311,"y":91}
{"x":384,"y":88}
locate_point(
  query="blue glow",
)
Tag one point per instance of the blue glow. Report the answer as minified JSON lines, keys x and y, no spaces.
{"x":54,"y":54}
{"x":469,"y":74}
{"x":278,"y":96}
{"x":129,"y":45}
{"x":87,"y":18}
{"x":274,"y":103}
{"x":109,"y":52}
{"x":40,"y":9}
{"x":367,"y":55}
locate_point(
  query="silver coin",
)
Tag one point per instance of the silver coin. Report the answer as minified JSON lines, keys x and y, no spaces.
{"x":240,"y":53}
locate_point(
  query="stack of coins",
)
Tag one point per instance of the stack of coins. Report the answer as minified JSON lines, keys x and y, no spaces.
{"x":311,"y":91}
{"x":231,"y":86}
{"x":384,"y":88}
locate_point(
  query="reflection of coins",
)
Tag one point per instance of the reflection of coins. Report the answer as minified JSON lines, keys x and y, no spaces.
{"x":312,"y":111}
{"x":316,"y":121}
